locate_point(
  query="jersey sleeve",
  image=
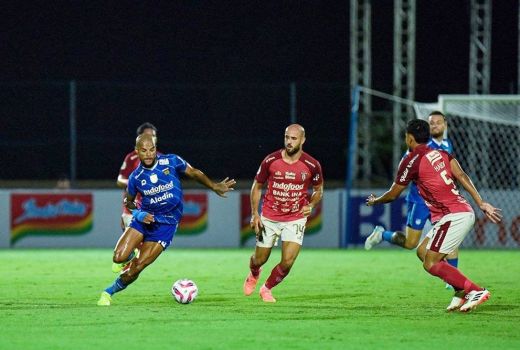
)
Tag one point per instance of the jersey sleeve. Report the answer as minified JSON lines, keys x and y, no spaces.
{"x":408,"y":169}
{"x":449,"y":154}
{"x":263,"y":171}
{"x":317,"y":175}
{"x":180,"y":164}
{"x":126,"y":169}
{"x":132,"y":186}
{"x":450,"y":148}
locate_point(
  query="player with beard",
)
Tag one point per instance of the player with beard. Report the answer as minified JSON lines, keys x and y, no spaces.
{"x":289,"y":173}
{"x":130,"y":163}
{"x":154,"y":224}
{"x":418,"y":212}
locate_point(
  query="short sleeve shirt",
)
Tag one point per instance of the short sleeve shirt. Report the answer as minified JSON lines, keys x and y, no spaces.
{"x":430,"y":169}
{"x":287,"y":185}
{"x":160,"y":188}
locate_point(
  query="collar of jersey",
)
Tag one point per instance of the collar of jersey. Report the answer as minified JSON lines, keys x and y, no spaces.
{"x":154,"y":166}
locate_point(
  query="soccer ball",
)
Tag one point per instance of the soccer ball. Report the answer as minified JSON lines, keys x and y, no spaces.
{"x":184,"y":291}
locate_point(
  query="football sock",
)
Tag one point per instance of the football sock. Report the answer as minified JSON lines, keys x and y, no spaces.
{"x":453,"y":276}
{"x":453,"y":262}
{"x":387,"y":236}
{"x":117,"y":286}
{"x":255,"y":270}
{"x":277,"y":275}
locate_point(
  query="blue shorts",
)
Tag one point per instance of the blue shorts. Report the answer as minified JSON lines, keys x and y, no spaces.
{"x":155,"y":232}
{"x":418,"y":214}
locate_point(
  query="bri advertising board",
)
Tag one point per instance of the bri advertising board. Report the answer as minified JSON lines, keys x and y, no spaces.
{"x":393,"y":216}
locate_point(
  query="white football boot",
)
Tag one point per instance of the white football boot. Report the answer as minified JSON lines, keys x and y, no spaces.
{"x":375,"y":237}
{"x":455,"y":304}
{"x":475,"y":298}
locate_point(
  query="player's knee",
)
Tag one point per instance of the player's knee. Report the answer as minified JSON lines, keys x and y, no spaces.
{"x":412,"y":237}
{"x":421,"y":252}
{"x":427,"y":265}
{"x":411,"y":243}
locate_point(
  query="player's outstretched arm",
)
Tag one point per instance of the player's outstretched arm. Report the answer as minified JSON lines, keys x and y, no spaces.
{"x":122,"y":181}
{"x":493,"y":214}
{"x":460,"y":175}
{"x":389,"y":196}
{"x":220,"y":188}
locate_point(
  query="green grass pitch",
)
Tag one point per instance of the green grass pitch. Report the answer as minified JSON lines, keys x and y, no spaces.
{"x":333,"y":299}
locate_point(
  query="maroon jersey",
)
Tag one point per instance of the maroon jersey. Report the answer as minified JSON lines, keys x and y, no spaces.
{"x":130,"y":163}
{"x":430,"y":169}
{"x":287,"y":185}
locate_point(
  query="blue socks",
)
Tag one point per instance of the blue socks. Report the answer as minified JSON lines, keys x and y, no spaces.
{"x":453,"y":262}
{"x":116,"y":287}
{"x":387,"y":236}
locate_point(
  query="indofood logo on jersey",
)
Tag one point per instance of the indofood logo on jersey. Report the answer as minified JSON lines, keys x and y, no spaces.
{"x":158,"y":189}
{"x":287,"y":187}
{"x":313,"y":226}
{"x":50,"y":214}
{"x":195,"y":216}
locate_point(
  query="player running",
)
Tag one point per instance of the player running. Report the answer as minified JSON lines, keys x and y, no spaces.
{"x":288,"y":172}
{"x":435,"y":173}
{"x":130,"y":163}
{"x":418,"y":213}
{"x":154,"y":224}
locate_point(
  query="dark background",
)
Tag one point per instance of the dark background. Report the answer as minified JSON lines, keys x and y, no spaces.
{"x":213,"y":76}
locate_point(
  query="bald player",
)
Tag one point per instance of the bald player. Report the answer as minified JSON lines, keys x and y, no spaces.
{"x":289,"y":173}
{"x":154,"y":224}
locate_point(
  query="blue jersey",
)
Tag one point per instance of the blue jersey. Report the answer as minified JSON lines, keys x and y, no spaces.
{"x":160,"y":188}
{"x":413,"y":193}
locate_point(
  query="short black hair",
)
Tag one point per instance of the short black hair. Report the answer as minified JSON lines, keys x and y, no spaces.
{"x":144,"y":126}
{"x":419,"y":129}
{"x":437,"y":113}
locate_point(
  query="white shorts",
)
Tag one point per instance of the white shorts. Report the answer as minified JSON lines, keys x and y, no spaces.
{"x":289,"y":231}
{"x":449,"y":232}
{"x":126,"y":219}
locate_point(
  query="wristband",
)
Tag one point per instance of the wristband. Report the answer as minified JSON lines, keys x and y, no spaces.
{"x":139,"y":215}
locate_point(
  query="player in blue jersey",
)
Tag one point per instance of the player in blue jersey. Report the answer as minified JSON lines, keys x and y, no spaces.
{"x":130,"y":163}
{"x":418,"y":212}
{"x":153,"y":225}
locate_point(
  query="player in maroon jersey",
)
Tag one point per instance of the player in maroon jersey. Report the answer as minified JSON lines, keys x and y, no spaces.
{"x":286,"y":205}
{"x":130,"y":163}
{"x":435,"y":173}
